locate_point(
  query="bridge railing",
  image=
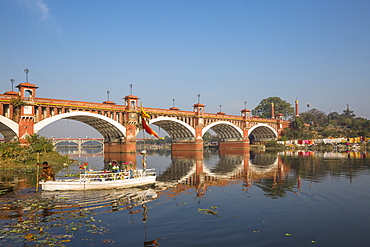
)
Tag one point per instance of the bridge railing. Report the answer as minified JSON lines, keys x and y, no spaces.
{"x":72,"y":103}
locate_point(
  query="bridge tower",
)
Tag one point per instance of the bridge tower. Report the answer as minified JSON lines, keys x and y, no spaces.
{"x":197,"y":143}
{"x":130,"y":121}
{"x":26,"y":112}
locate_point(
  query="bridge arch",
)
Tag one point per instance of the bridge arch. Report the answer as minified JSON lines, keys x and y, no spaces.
{"x":262,"y":132}
{"x":178,"y":130}
{"x":107,"y":127}
{"x":225,"y":130}
{"x":8,"y":128}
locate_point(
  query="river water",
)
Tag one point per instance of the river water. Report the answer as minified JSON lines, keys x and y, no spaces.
{"x":206,"y":199}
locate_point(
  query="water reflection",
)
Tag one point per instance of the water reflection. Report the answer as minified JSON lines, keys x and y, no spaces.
{"x":274,"y":173}
{"x":243,"y":186}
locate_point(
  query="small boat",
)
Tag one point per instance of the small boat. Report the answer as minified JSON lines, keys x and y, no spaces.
{"x":97,"y":180}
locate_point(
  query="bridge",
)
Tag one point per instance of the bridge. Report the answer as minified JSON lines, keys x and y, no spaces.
{"x":78,"y":141}
{"x":23,"y":114}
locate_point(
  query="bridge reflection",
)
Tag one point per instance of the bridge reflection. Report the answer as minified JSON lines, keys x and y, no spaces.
{"x":192,"y":170}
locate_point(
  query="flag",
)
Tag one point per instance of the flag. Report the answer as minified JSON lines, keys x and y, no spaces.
{"x":144,"y":114}
{"x":84,"y":166}
{"x":149,"y":130}
{"x":146,"y":127}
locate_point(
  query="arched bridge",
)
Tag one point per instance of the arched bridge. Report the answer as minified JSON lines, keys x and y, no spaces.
{"x":22,"y":114}
{"x":78,"y":141}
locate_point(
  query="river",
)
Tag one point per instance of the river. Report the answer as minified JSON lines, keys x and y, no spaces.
{"x":206,"y":199}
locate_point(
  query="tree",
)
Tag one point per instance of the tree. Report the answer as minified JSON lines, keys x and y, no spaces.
{"x":17,"y":105}
{"x":314,"y":116}
{"x":281,"y":106}
{"x":10,"y":150}
{"x":347,"y":113}
{"x":39,"y":144}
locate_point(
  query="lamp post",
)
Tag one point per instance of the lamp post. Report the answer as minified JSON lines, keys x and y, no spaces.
{"x":26,"y":71}
{"x":12,"y":81}
{"x":198,"y":98}
{"x":245,"y":104}
{"x":108,"y":92}
{"x":130,"y":89}
{"x":220,"y":108}
{"x":173,"y":102}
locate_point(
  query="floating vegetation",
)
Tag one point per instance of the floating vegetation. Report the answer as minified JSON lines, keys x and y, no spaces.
{"x":31,"y":220}
{"x":208,"y":211}
{"x":55,"y":219}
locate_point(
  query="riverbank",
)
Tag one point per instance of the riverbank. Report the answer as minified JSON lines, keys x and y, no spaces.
{"x":325,"y":147}
{"x":13,"y":172}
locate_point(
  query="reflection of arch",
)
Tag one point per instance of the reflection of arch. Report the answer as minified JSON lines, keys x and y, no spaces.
{"x":177,"y":129}
{"x":262,"y":132}
{"x":225,"y":130}
{"x":180,"y":169}
{"x":8,"y":128}
{"x":262,"y":163}
{"x":107,"y":127}
{"x":228,"y":164}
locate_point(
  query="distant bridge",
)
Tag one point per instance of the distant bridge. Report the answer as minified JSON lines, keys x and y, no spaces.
{"x":22,"y":114}
{"x":78,"y":141}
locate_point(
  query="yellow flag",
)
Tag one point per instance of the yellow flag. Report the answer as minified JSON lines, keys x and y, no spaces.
{"x":144,"y":114}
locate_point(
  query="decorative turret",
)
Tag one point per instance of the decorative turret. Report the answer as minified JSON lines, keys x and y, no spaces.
{"x":220,"y":112}
{"x":296,"y":108}
{"x":173,"y":108}
{"x":279,"y":116}
{"x":245,"y":113}
{"x":131,"y":102}
{"x":27,"y":91}
{"x":198,"y":107}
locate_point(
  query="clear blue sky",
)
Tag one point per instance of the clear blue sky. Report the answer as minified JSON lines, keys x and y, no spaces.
{"x":227,"y":51}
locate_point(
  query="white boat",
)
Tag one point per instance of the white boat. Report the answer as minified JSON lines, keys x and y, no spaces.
{"x":97,"y":180}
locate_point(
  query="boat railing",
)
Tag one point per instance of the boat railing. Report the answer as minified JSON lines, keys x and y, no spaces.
{"x":111,"y":176}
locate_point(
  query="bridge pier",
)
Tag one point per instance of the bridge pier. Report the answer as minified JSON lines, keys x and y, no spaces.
{"x":233,"y":145}
{"x":187,"y":146}
{"x":120,"y":147}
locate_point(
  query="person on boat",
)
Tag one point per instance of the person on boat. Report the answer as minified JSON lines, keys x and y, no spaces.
{"x":47,"y":172}
{"x":115,"y":167}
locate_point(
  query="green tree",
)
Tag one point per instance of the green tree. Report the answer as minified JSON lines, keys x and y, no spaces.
{"x":10,"y":150}
{"x":347,"y":113}
{"x":17,"y":103}
{"x":39,"y":144}
{"x":314,"y":116}
{"x":281,"y":106}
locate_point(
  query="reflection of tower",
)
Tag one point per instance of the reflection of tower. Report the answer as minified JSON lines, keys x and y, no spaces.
{"x":247,"y":178}
{"x":199,"y":176}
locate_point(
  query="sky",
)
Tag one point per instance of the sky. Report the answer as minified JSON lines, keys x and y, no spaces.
{"x":228,"y":51}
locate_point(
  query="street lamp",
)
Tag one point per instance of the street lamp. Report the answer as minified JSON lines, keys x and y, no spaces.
{"x":26,"y":71}
{"x":245,"y":104}
{"x":130,"y":89}
{"x":173,"y":102}
{"x":220,"y":108}
{"x":198,"y":98}
{"x":108,"y":92}
{"x":12,"y":81}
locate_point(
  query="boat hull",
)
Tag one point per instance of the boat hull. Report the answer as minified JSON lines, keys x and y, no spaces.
{"x":71,"y":184}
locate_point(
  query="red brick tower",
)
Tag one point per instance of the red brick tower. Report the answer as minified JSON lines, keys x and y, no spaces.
{"x":26,"y":118}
